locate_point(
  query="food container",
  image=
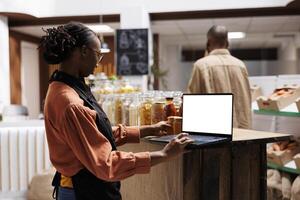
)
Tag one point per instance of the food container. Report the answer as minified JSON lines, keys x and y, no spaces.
{"x":255,"y":92}
{"x":282,"y":155}
{"x":298,"y":104}
{"x":176,"y":123}
{"x":169,"y":109}
{"x":145,"y":109}
{"x":134,"y":111}
{"x":126,"y":109}
{"x":157,"y":110}
{"x":118,"y":109}
{"x":297,"y":160}
{"x":280,"y":98}
{"x":108,"y":107}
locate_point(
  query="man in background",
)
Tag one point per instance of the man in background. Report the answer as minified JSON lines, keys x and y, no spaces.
{"x":220,"y":72}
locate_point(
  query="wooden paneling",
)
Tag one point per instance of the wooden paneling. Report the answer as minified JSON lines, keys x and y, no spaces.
{"x":156,"y":59}
{"x":247,"y":172}
{"x":192,"y":175}
{"x":15,"y":70}
{"x":44,"y":77}
{"x":15,"y":39}
{"x":24,"y":37}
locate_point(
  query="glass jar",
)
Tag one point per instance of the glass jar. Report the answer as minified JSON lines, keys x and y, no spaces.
{"x":176,"y":123}
{"x":126,"y":108}
{"x":157,"y":110}
{"x":118,"y":109}
{"x":117,"y":86}
{"x":169,"y":108}
{"x":178,"y":102}
{"x":126,"y":87}
{"x":106,"y":87}
{"x":145,"y":109}
{"x":108,"y":107}
{"x":134,"y":111}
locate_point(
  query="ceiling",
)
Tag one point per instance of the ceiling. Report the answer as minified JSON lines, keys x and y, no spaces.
{"x":259,"y":30}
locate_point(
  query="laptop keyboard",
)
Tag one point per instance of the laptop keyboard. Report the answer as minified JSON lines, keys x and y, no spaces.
{"x":198,"y":139}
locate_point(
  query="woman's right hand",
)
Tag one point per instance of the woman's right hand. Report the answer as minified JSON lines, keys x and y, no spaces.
{"x":174,"y":148}
{"x":177,"y":145}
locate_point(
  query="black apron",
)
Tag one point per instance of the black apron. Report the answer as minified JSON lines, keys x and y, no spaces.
{"x":85,"y":184}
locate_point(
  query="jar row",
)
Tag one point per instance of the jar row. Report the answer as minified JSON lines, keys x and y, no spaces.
{"x":141,"y":108}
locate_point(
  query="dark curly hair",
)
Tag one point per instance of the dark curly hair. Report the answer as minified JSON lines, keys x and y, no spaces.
{"x":58,"y":43}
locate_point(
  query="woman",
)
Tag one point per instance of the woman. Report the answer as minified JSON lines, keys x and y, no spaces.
{"x":82,"y":143}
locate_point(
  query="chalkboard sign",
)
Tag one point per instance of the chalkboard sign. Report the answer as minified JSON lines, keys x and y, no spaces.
{"x":132,"y":52}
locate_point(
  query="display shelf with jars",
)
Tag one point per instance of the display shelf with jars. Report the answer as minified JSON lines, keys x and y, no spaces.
{"x":146,"y":108}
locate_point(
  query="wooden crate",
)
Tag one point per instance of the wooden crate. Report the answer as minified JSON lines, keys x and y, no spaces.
{"x":279,"y":102}
{"x":297,"y":160}
{"x":298,"y":104}
{"x":255,"y":92}
{"x":281,"y":157}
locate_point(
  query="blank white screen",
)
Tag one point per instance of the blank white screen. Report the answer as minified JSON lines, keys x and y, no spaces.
{"x":207,"y":114}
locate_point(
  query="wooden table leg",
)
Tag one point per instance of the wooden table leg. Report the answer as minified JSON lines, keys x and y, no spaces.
{"x":215,"y":174}
{"x":263,"y":172}
{"x":247,"y":169}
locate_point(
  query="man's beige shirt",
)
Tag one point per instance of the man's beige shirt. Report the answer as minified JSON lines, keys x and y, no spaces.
{"x":219,"y":72}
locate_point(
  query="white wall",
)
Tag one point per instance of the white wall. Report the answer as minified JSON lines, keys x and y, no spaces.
{"x":30,"y":78}
{"x":169,"y":59}
{"x":4,"y":63}
{"x":31,"y":7}
{"x":48,"y":8}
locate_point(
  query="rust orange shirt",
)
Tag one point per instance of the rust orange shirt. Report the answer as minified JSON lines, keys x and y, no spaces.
{"x":75,"y":142}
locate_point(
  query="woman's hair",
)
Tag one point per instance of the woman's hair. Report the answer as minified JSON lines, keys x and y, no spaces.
{"x":58,"y":43}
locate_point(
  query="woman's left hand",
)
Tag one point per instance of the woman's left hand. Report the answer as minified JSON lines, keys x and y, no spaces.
{"x":162,"y":128}
{"x":158,"y":129}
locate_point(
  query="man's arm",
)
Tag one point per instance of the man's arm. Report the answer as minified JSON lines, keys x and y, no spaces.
{"x":194,"y":83}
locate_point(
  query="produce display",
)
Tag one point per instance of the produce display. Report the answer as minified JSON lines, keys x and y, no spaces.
{"x":281,"y":153}
{"x":281,"y":92}
{"x":255,"y":92}
{"x":280,"y":98}
{"x":285,"y":145}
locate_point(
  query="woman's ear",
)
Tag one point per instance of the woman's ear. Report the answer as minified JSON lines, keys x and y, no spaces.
{"x":83,"y":50}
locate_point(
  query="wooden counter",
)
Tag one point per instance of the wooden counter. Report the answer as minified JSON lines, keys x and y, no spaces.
{"x":232,"y":171}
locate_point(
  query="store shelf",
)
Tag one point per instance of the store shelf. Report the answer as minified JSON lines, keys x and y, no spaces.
{"x":290,"y":167}
{"x":277,"y":113}
{"x":290,"y":111}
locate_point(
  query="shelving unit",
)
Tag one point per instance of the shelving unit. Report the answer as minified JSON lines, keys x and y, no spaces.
{"x":277,"y":113}
{"x":290,"y":167}
{"x":287,"y":114}
{"x":290,"y":111}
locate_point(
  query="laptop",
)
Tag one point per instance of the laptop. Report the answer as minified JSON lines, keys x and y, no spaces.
{"x":208,"y":118}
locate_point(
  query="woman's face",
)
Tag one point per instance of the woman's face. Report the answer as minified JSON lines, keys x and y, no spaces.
{"x":92,"y":57}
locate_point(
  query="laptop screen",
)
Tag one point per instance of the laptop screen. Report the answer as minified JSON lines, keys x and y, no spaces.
{"x":207,"y":113}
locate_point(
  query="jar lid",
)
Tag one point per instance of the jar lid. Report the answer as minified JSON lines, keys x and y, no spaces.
{"x":174,"y":118}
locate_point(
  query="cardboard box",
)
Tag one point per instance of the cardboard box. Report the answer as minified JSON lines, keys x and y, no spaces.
{"x":298,"y":104}
{"x":255,"y":92}
{"x":297,"y":160}
{"x":277,"y":103}
{"x":281,"y":157}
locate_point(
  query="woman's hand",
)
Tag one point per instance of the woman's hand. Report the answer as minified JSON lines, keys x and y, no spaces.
{"x":158,"y":129}
{"x":174,"y":148}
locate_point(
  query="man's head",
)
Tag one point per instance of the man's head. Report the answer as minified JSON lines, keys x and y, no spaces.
{"x":217,"y":38}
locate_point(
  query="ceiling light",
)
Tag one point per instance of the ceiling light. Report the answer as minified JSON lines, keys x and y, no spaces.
{"x":104,"y":48}
{"x":236,"y":35}
{"x":101,"y":28}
